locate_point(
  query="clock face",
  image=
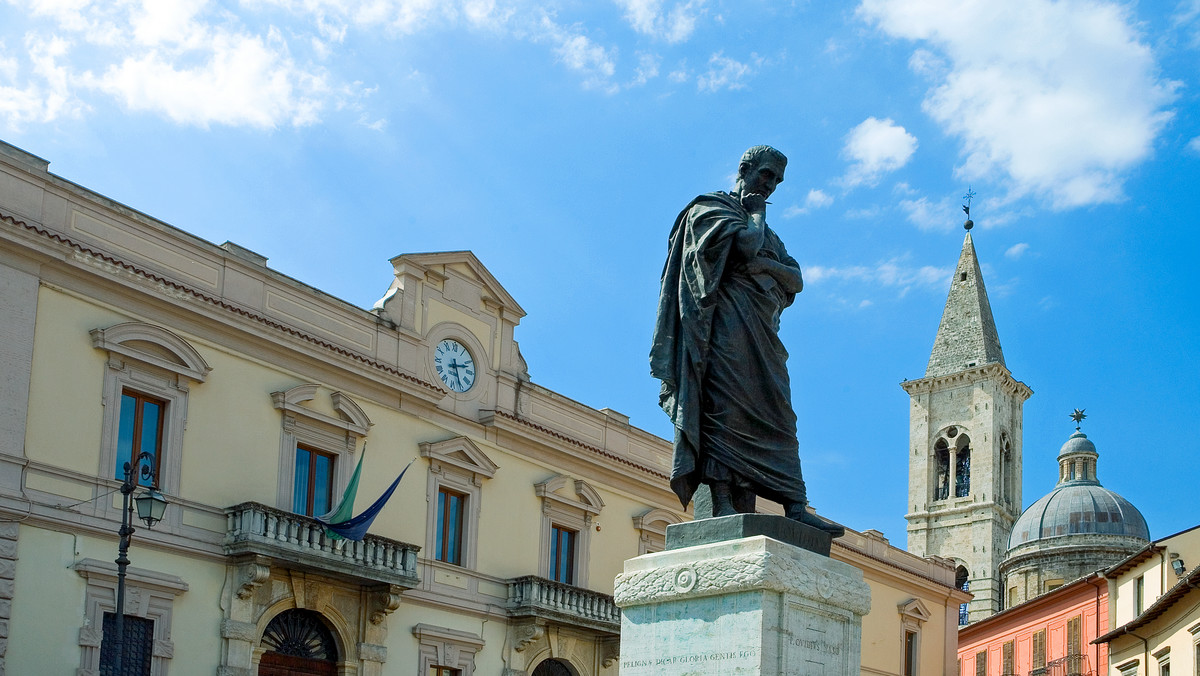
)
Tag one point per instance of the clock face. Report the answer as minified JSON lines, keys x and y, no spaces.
{"x":454,"y":365}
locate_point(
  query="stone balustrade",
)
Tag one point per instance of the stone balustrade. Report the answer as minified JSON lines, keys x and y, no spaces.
{"x":298,"y":541}
{"x":532,"y":596}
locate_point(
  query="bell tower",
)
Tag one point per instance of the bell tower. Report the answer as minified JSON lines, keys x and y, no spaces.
{"x":964,"y":456}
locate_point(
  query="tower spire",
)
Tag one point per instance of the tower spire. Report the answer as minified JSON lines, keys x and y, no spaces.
{"x":967,"y":334}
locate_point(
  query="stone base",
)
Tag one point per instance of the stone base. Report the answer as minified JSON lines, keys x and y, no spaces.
{"x":738,"y":526}
{"x":753,"y":607}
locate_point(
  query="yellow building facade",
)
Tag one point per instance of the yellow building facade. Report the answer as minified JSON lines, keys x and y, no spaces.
{"x":255,"y":397}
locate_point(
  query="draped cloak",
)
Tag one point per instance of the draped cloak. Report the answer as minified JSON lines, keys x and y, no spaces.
{"x":717,"y":351}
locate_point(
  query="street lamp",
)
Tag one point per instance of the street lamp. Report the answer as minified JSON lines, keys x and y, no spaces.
{"x":150,"y":508}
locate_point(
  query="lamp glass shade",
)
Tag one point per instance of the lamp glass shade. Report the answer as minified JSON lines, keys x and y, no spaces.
{"x":151,"y":505}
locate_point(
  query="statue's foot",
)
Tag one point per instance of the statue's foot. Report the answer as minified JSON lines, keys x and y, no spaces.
{"x":722,"y":499}
{"x":798,"y":511}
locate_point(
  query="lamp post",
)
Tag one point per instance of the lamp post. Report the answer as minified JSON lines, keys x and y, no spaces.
{"x":150,"y":507}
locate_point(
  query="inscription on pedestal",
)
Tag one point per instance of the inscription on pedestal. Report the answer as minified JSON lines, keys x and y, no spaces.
{"x":815,"y":639}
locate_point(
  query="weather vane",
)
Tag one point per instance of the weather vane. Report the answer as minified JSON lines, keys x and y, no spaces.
{"x":1078,"y":417}
{"x":967,"y":208}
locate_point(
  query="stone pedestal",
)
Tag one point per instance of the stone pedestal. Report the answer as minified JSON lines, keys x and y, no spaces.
{"x":751,"y":606}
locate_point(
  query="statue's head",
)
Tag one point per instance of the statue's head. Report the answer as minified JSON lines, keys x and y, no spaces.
{"x":760,"y":170}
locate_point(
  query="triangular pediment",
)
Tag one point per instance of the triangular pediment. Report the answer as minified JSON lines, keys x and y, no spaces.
{"x":915,"y":610}
{"x":462,"y":453}
{"x":463,"y":265}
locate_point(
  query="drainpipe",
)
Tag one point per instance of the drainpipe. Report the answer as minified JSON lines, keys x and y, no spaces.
{"x":1096,"y":647}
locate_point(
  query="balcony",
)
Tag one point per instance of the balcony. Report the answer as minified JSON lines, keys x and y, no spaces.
{"x":1071,"y":665}
{"x":532,"y":596}
{"x":300,"y":542}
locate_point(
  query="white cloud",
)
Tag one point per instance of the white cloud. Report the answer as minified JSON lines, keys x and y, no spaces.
{"x":1194,"y":144}
{"x":934,"y":216}
{"x":242,"y":80}
{"x":1057,"y":99}
{"x":576,"y":51}
{"x":1017,"y":250}
{"x":876,"y":147}
{"x":647,"y":69}
{"x":725,"y":73}
{"x":816,"y":199}
{"x":895,"y":273}
{"x":675,"y":25}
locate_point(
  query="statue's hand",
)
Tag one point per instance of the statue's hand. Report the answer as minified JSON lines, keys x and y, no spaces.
{"x":754,"y":202}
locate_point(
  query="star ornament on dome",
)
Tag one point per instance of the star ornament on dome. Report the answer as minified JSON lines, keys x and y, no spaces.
{"x":1078,"y":415}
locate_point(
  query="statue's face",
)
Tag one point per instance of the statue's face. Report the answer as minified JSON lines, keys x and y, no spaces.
{"x":764,"y":178}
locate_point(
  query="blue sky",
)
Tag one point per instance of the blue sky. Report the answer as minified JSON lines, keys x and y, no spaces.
{"x":558,"y":140}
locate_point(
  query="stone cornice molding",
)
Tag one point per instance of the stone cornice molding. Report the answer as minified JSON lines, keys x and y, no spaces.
{"x":150,"y":579}
{"x":995,"y":372}
{"x":741,"y":572}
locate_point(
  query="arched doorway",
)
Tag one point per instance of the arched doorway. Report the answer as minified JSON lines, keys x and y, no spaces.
{"x":553,"y":667}
{"x":298,"y":644}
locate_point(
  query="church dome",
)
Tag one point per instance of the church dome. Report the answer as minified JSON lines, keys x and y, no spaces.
{"x":1078,"y":504}
{"x":1076,"y":529}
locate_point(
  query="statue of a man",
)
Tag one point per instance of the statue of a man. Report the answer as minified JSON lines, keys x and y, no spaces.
{"x":717,"y":349}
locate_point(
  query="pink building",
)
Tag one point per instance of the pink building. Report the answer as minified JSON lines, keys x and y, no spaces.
{"x":1050,"y":635}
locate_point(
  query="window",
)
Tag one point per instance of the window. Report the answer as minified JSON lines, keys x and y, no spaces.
{"x":962,"y":473}
{"x":653,"y":529}
{"x":1008,"y":658}
{"x":140,"y":431}
{"x":963,"y":582}
{"x":913,"y":614}
{"x":1139,"y":595}
{"x":316,"y":448}
{"x":568,"y":507}
{"x":942,"y":486}
{"x":146,"y":385}
{"x":1039,"y":649}
{"x":446,"y":652}
{"x":457,"y":471}
{"x":448,"y":545}
{"x":562,"y":554}
{"x":149,"y":605}
{"x":981,"y":663}
{"x":312,"y":487}
{"x":910,"y":653}
{"x":1075,"y":635}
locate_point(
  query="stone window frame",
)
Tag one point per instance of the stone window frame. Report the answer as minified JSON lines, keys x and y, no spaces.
{"x":913,"y":614}
{"x":459,"y":465}
{"x":652,"y":529}
{"x":149,"y":595}
{"x":158,"y":363}
{"x":577,"y":515}
{"x":443,"y":647}
{"x":1163,"y":658}
{"x":1129,"y":668}
{"x":950,"y":441}
{"x":302,"y":425}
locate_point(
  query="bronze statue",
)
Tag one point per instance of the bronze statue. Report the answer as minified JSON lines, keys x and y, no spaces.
{"x":717,"y":350}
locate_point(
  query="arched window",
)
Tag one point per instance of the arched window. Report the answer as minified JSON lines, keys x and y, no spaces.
{"x":962,"y":467}
{"x":962,"y":581}
{"x":941,"y":453}
{"x":298,"y":642}
{"x":553,"y":667}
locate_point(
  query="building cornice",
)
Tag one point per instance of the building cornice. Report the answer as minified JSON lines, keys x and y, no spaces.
{"x":998,"y":373}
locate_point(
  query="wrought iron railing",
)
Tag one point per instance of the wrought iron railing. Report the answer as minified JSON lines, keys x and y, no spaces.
{"x":538,"y":597}
{"x":301,"y":541}
{"x":1071,"y":665}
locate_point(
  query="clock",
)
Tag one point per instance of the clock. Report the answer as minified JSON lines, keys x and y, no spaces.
{"x":454,"y":365}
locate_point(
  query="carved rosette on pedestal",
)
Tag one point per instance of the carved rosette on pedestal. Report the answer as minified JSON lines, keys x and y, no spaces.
{"x":748,"y":606}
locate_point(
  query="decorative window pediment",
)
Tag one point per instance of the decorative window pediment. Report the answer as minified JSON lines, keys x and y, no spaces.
{"x":460,"y":453}
{"x":914,"y":612}
{"x":653,"y":528}
{"x":351,"y":417}
{"x":449,"y":648}
{"x":152,"y":345}
{"x":586,"y":498}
